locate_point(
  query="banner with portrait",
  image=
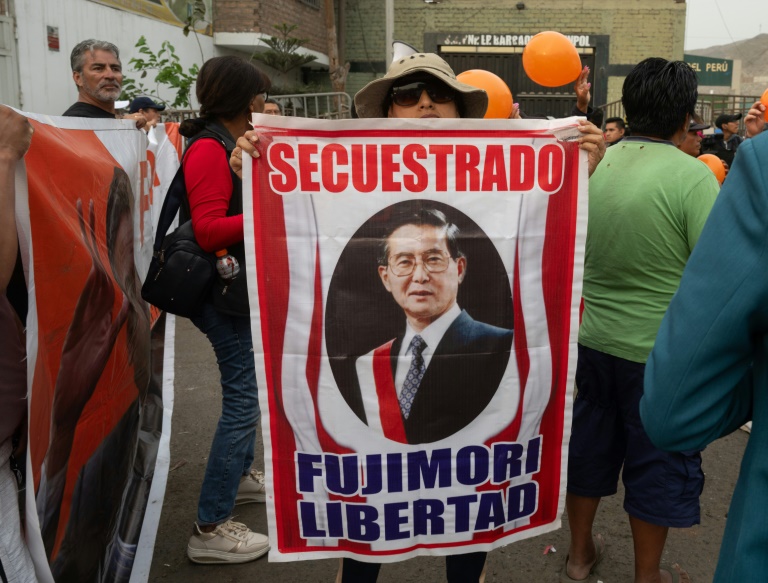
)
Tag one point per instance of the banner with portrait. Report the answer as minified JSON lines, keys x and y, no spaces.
{"x":100,"y":363}
{"x":415,"y":295}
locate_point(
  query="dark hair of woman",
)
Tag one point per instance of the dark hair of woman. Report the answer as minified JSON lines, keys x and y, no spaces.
{"x":225,"y":88}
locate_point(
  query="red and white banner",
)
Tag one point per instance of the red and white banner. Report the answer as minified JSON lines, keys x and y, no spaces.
{"x":361,"y":235}
{"x":100,"y":364}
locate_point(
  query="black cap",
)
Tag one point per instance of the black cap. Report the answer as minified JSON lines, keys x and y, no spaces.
{"x":695,"y":127}
{"x":144,"y":103}
{"x":726,"y":118}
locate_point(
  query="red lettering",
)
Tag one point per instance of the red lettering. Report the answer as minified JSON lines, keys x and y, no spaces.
{"x":551,"y":162}
{"x":494,"y":171}
{"x":389,"y":168}
{"x":333,"y":181}
{"x":419,"y":180}
{"x":467,"y":174}
{"x":441,"y":166}
{"x":364,"y":169}
{"x":307,"y":167}
{"x":283,"y":177}
{"x":522,"y":167}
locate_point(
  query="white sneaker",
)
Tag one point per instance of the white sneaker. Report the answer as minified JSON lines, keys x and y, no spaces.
{"x":230,"y":542}
{"x":252,"y":488}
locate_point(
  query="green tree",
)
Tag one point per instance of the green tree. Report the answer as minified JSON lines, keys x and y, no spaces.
{"x":282,"y":54}
{"x":169,"y":73}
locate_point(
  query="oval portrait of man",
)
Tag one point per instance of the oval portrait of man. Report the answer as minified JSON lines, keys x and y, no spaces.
{"x":419,"y":321}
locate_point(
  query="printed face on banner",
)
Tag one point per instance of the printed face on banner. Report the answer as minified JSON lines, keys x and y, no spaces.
{"x":421,"y":274}
{"x":423,"y":250}
{"x":414,"y":294}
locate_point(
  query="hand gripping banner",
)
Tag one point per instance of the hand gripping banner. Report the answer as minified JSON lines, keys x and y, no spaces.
{"x":415,"y":298}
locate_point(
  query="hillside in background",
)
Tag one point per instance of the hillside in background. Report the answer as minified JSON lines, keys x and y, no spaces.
{"x":753,"y":54}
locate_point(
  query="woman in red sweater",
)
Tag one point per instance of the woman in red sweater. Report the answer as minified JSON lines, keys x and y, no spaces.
{"x":229,"y":90}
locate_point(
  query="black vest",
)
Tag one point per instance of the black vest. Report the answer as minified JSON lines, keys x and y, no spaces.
{"x":228,"y":297}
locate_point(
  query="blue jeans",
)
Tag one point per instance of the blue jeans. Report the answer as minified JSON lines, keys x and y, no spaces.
{"x":231,"y":453}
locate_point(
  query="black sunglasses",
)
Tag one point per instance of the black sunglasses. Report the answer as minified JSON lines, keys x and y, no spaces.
{"x":409,"y":95}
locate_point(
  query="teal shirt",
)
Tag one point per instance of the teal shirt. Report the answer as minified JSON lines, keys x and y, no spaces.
{"x":708,"y":372}
{"x":648,"y":203}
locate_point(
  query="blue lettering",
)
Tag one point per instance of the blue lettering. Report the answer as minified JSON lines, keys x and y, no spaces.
{"x":507,"y":461}
{"x":422,"y":467}
{"x":333,"y":473}
{"x":472,"y":465}
{"x":335,"y":520}
{"x":532,"y":462}
{"x":361,"y":522}
{"x":373,"y":479}
{"x":394,"y":472}
{"x":307,"y":470}
{"x":428,"y":517}
{"x":490,"y":511}
{"x":462,"y":510}
{"x":521,"y":500}
{"x":393,"y":519}
{"x":309,"y":520}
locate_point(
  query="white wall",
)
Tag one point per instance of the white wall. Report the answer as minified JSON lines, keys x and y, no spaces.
{"x":45,"y":76}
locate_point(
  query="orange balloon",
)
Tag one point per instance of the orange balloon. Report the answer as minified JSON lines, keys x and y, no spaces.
{"x":715,"y":165}
{"x":551,"y":60}
{"x":499,"y":95}
{"x":764,"y":101}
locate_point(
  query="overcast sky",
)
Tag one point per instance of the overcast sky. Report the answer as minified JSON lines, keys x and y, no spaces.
{"x":720,"y":22}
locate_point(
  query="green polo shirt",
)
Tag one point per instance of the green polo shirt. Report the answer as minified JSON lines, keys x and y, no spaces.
{"x":648,"y":202}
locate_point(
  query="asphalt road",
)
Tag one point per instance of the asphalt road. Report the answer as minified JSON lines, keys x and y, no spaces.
{"x":195,"y":415}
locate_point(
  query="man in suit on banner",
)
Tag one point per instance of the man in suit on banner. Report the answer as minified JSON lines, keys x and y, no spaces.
{"x":440,"y":373}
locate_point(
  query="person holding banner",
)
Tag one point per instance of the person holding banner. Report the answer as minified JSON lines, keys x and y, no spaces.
{"x":98,"y":74}
{"x":229,"y":90}
{"x":424,"y":86}
{"x":15,"y":561}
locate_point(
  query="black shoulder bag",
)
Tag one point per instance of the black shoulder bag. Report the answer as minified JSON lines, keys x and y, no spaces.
{"x":181,"y":274}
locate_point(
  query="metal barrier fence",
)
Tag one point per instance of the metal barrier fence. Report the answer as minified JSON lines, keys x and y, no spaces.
{"x":314,"y":105}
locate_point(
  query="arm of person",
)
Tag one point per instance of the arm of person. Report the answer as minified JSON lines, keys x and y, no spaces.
{"x":754,"y":121}
{"x":246,"y":146}
{"x":141,"y":121}
{"x":592,"y":142}
{"x":698,"y":379}
{"x":209,"y":190}
{"x":583,"y":96}
{"x":15,"y":138}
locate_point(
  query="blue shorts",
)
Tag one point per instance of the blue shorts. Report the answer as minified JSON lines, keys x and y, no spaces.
{"x":661,"y":487}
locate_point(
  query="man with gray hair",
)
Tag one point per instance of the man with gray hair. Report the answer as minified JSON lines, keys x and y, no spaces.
{"x":98,"y":74}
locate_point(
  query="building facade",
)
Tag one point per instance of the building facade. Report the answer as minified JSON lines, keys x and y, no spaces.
{"x":610,"y":35}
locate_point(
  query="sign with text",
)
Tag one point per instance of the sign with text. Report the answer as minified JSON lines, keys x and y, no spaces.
{"x":709,"y":71}
{"x":414,"y":289}
{"x":515,"y":39}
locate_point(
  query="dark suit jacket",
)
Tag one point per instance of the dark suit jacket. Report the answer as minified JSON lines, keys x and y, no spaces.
{"x":460,"y":381}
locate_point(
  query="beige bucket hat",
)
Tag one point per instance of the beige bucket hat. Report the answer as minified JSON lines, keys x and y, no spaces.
{"x":370,"y":100}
